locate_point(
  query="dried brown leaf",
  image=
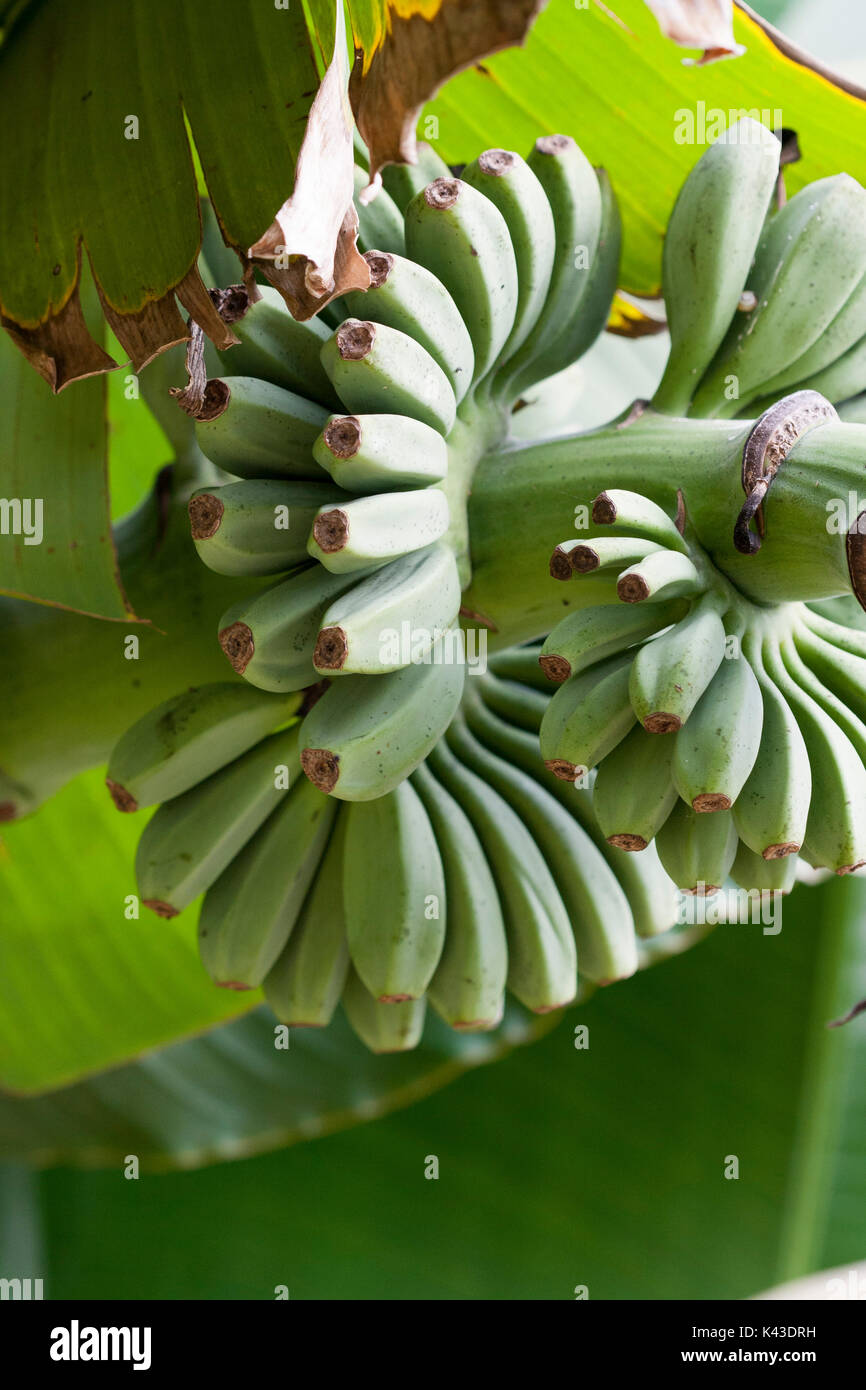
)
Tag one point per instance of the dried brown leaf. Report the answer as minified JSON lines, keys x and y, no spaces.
{"x":704,"y":24}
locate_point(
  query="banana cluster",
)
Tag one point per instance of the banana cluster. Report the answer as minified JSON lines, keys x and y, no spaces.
{"x":470,"y":877}
{"x":733,"y":736}
{"x":761,"y":302}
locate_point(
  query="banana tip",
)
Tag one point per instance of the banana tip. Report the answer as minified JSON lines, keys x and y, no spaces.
{"x":556,"y":668}
{"x":660,"y":722}
{"x":633,"y":843}
{"x":322,"y":767}
{"x":161,"y":908}
{"x":711,"y":801}
{"x":237,"y":642}
{"x":566,"y":771}
{"x":123,"y":800}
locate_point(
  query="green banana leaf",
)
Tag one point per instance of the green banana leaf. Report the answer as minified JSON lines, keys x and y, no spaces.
{"x":560,"y":1169}
{"x":607,"y":76}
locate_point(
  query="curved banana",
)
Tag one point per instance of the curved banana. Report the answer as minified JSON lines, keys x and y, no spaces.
{"x":393,"y":617}
{"x":304,"y":984}
{"x":270,"y":639}
{"x":364,"y":736}
{"x":587,"y":717}
{"x":841,"y":671}
{"x":520,"y":664}
{"x":542,"y":962}
{"x":661,"y":575}
{"x":716,"y":749}
{"x":709,"y":246}
{"x":249,"y":911}
{"x":192,"y":838}
{"x":634,"y":791}
{"x":609,"y":553}
{"x":589,"y":635}
{"x":381,"y":453}
{"x":382,"y":1027}
{"x":380,"y":221}
{"x":637,"y":515}
{"x":265,"y":432}
{"x":407,"y":296}
{"x":259,"y":526}
{"x":671,"y":672}
{"x":280,"y":349}
{"x":755,"y":873}
{"x":395,"y":921}
{"x":697,"y":851}
{"x":403,"y":181}
{"x":369,"y":531}
{"x":463,"y":238}
{"x":377,"y":368}
{"x":468,"y":985}
{"x":187,"y":738}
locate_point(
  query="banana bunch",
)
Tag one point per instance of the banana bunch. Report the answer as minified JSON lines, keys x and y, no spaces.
{"x":760,"y":302}
{"x":466,"y":878}
{"x":732,"y":736}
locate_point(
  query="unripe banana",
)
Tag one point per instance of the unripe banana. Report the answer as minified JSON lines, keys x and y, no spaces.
{"x":249,"y":912}
{"x":381,"y":453}
{"x":596,"y":904}
{"x":395,"y":921}
{"x":259,"y":526}
{"x":661,"y":575}
{"x":648,"y":889}
{"x":716,"y":749}
{"x":574,"y":194}
{"x":634,"y":792}
{"x":839,"y":710}
{"x":404,"y":181}
{"x":516,"y":704}
{"x":755,"y":873}
{"x":670,"y":673}
{"x":587,"y":717}
{"x":278,"y":348}
{"x":182,"y":741}
{"x":521,"y":664}
{"x":366,"y":734}
{"x":508,"y":181}
{"x":836,"y":829}
{"x":847,"y":639}
{"x":542,"y":964}
{"x":191,"y":839}
{"x":270,"y":639}
{"x":380,"y":221}
{"x":407,"y":296}
{"x":697,"y":851}
{"x":589,"y":635}
{"x":772,"y":809}
{"x":392,"y":617}
{"x":265,"y":432}
{"x":809,"y":259}
{"x":463,"y":238}
{"x":609,"y":553}
{"x":842,"y":379}
{"x":377,"y":368}
{"x":304,"y":985}
{"x":469,"y":982}
{"x":382,"y":1027}
{"x":369,"y":531}
{"x":638,"y":516}
{"x":838,"y":338}
{"x":710,"y":242}
{"x":843,"y":673}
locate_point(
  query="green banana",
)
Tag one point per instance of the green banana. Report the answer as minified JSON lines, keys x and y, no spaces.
{"x":589,"y":635}
{"x":661,"y":575}
{"x":838,"y":339}
{"x":377,"y":368}
{"x":382,"y":1027}
{"x":598,"y":908}
{"x":249,"y":912}
{"x":638,"y":516}
{"x":610,"y":553}
{"x":270,"y":638}
{"x":634,"y":792}
{"x":180,"y":742}
{"x":381,"y":453}
{"x":842,"y":379}
{"x":365,"y":735}
{"x":509,"y":182}
{"x":838,"y":709}
{"x":392,"y":617}
{"x":835,"y":835}
{"x":395,"y":920}
{"x":843,"y":673}
{"x":574,"y":193}
{"x":647,"y":886}
{"x":278,"y":348}
{"x":408,"y":297}
{"x":772,"y":809}
{"x":463,"y":238}
{"x":696,"y":851}
{"x":403,"y":181}
{"x":516,"y":704}
{"x":808,"y":261}
{"x":369,"y":531}
{"x":520,"y":664}
{"x":259,"y":526}
{"x":542,"y":961}
{"x":266,"y":432}
{"x":468,"y":985}
{"x":304,"y":985}
{"x":716,"y":749}
{"x":587,"y":717}
{"x":192,"y":838}
{"x":847,"y":639}
{"x":755,"y":873}
{"x":671,"y":672}
{"x":710,"y":242}
{"x":380,"y":221}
